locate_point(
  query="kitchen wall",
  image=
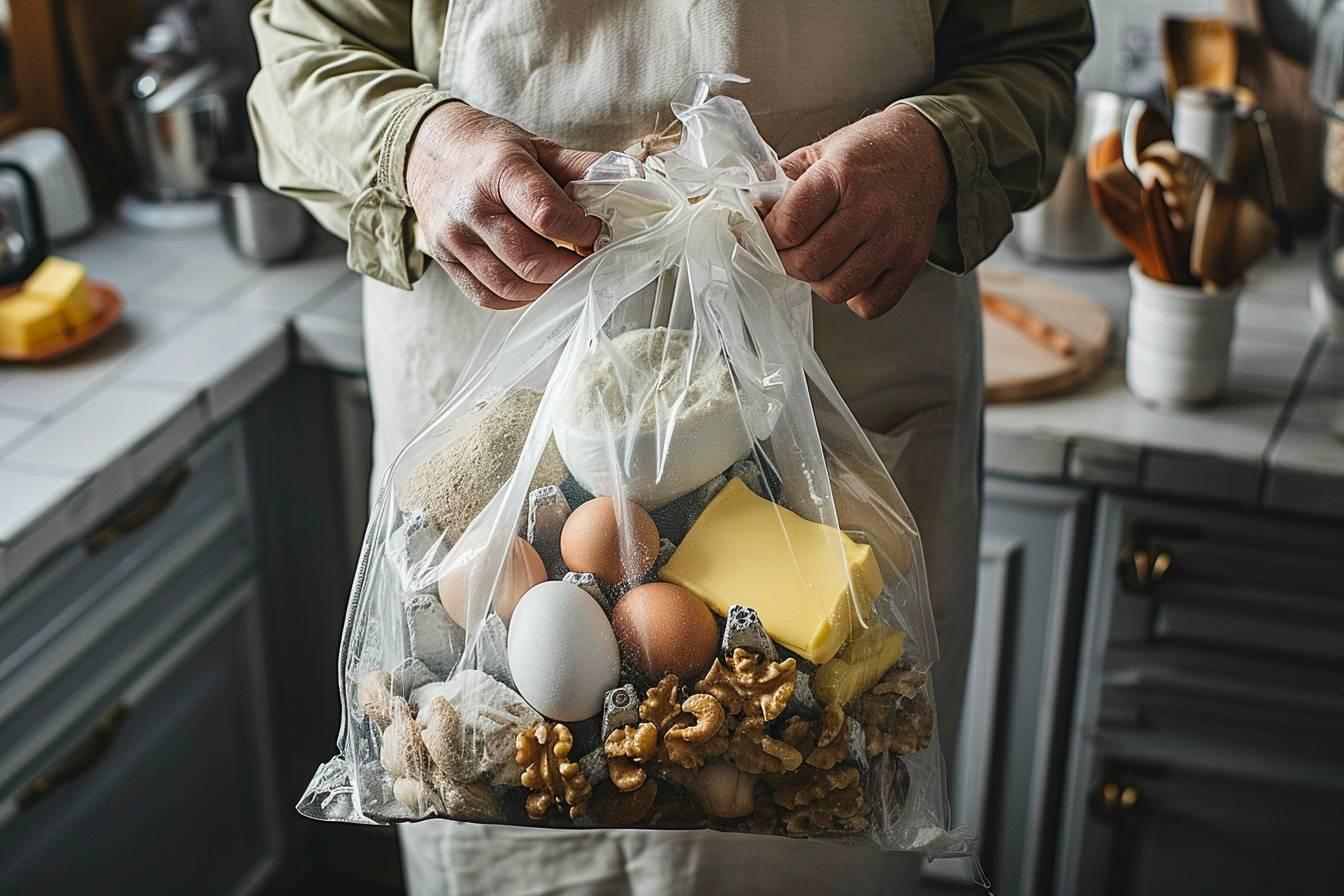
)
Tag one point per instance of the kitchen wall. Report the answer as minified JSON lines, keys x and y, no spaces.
{"x":1128,"y":56}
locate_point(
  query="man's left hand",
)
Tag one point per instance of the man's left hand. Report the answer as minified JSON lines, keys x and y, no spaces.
{"x":858,"y":223}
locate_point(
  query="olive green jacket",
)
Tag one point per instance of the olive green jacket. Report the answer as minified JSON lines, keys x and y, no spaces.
{"x":344,"y":84}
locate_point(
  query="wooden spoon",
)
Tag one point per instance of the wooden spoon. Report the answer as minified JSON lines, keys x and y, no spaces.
{"x":1182,"y":177}
{"x":1231,"y":233}
{"x":1200,"y":52}
{"x":1173,"y":245}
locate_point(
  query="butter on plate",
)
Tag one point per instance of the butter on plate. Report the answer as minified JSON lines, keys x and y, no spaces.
{"x":63,"y":285}
{"x":26,"y":323}
{"x":796,"y":574}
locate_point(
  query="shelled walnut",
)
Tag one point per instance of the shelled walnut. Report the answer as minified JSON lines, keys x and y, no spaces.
{"x":627,"y":750}
{"x":555,"y":781}
{"x":822,"y":800}
{"x":895,"y":714}
{"x":747,"y":684}
{"x":697,"y":734}
{"x":755,"y":752}
{"x":821,"y":741}
{"x":684,"y":733}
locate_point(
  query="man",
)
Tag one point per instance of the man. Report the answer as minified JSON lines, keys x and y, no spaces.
{"x":435,"y":136}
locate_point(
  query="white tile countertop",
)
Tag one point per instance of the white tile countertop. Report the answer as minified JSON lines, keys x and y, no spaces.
{"x":205,"y":331}
{"x":1266,"y":443}
{"x":202,"y":332}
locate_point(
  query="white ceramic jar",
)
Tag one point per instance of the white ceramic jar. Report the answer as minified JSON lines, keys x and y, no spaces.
{"x":1180,"y":340}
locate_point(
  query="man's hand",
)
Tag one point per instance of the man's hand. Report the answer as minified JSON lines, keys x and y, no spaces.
{"x":858,"y":224}
{"x":487,"y":194}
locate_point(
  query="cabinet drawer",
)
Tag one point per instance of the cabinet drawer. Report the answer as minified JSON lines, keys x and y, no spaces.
{"x":1239,"y":583}
{"x":175,"y":795}
{"x":1262,"y":706}
{"x":143,"y":534}
{"x":1166,"y":829}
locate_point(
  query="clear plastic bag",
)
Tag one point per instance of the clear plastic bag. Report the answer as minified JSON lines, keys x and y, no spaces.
{"x":735,"y":633}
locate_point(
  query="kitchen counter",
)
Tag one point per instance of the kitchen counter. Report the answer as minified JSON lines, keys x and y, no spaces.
{"x":202,"y":333}
{"x":205,"y":331}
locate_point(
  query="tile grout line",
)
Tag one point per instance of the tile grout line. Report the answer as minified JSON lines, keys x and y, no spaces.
{"x":1295,"y":394}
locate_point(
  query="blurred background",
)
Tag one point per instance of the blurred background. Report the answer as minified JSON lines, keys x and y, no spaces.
{"x":1154,"y":703}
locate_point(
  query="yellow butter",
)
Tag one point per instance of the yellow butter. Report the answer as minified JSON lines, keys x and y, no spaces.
{"x":26,"y":322}
{"x":859,"y":665}
{"x":796,"y":574}
{"x":63,"y":284}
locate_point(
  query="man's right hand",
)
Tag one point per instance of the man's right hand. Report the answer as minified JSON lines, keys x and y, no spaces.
{"x":487,"y":194}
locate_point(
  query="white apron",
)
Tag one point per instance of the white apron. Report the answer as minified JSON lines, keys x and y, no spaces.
{"x":596,"y":74}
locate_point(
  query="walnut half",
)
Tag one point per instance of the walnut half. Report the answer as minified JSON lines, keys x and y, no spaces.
{"x":555,"y":781}
{"x":748,"y":684}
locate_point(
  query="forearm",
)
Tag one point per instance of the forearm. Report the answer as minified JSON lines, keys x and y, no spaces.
{"x":1004,"y":104}
{"x":334,"y":108}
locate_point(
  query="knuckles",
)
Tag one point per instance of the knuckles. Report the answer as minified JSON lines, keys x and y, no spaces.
{"x":805,"y":265}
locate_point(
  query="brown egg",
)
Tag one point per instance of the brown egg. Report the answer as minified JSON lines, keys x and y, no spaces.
{"x":615,"y":542}
{"x":665,"y":628}
{"x":524,"y":568}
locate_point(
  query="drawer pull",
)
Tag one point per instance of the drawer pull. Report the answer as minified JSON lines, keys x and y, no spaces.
{"x":77,"y":761}
{"x":1117,"y":800}
{"x":1142,"y":569}
{"x":141,"y":514}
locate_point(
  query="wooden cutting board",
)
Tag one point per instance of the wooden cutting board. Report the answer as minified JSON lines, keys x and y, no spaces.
{"x":1018,"y":366}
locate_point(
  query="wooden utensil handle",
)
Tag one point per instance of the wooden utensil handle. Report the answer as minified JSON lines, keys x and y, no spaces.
{"x":1039,"y":329}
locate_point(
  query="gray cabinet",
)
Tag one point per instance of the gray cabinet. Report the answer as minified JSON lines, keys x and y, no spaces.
{"x":135,"y":750}
{"x":1005,"y":773}
{"x":1210,"y":707}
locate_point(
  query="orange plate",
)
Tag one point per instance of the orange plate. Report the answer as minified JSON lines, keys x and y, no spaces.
{"x":106,"y":303}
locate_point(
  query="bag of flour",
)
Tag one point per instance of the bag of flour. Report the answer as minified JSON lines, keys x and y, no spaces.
{"x":644,"y":569}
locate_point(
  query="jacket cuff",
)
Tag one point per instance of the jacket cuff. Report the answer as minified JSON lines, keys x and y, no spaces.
{"x":382,"y":223}
{"x":972,"y":225}
{"x":382,"y":240}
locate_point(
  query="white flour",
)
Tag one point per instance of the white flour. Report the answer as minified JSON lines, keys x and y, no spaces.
{"x":652,"y":380}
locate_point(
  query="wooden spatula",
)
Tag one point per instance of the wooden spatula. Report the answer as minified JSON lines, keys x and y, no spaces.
{"x":1200,"y":52}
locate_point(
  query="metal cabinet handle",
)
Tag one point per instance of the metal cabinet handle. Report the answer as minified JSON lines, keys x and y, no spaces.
{"x":141,"y":514}
{"x":1142,"y":569}
{"x":1117,"y":800}
{"x":79,"y":760}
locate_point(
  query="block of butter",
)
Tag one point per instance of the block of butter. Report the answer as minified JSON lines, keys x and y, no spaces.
{"x":26,"y":322}
{"x":859,"y":665}
{"x":808,"y":582}
{"x":63,"y":285}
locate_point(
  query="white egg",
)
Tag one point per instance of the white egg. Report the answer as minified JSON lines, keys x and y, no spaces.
{"x":562,"y":652}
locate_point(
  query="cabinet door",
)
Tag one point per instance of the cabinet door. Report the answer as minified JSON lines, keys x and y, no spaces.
{"x":166,"y":789}
{"x":1004,"y":773}
{"x":1205,"y":745}
{"x":1172,"y":830}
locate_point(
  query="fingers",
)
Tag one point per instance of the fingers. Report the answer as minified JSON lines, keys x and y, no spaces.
{"x":564,"y":165}
{"x":465,"y":249}
{"x":883,"y":295}
{"x":828,"y":248}
{"x":537,"y":200}
{"x":533,"y":258}
{"x":474,"y":289}
{"x":798,"y":161}
{"x":804,"y":207}
{"x":854,"y":275}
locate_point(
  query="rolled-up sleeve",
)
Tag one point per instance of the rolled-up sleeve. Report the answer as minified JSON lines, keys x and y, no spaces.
{"x":334,"y":109}
{"x":1003,"y":99}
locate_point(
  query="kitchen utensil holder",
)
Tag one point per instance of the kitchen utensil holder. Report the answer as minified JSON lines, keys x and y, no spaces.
{"x":1180,"y":341}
